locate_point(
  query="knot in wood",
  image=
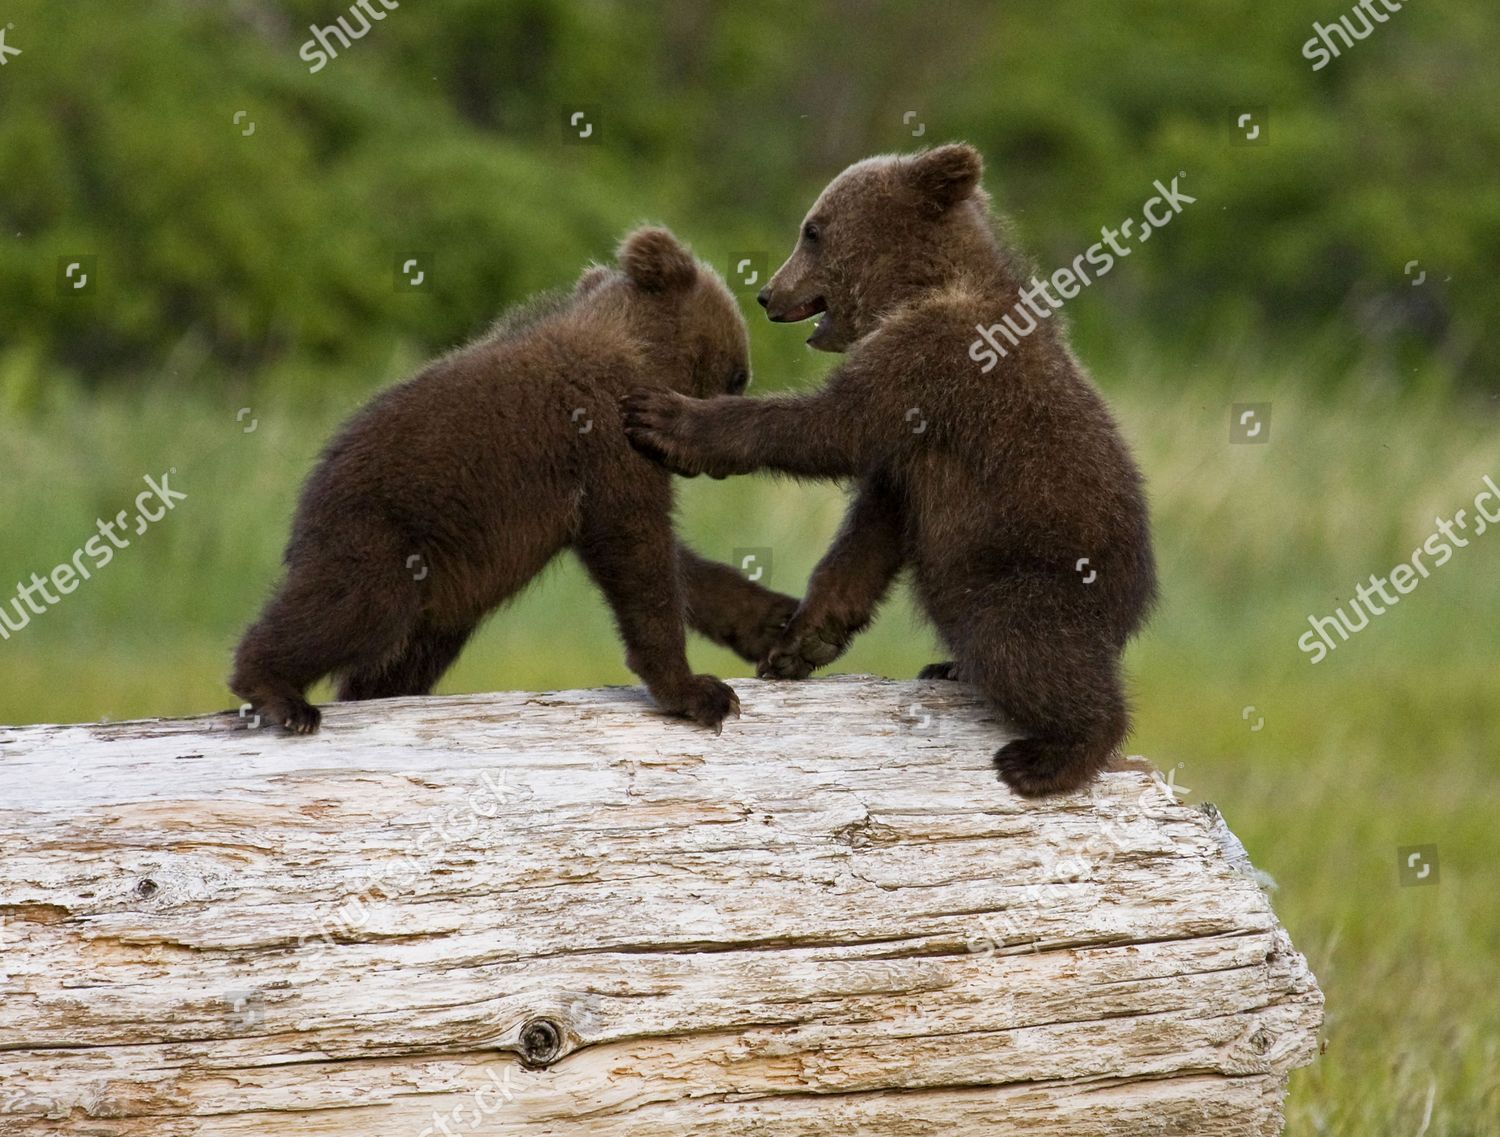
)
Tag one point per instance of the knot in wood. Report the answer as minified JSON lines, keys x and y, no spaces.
{"x":541,"y":1041}
{"x":146,"y":888}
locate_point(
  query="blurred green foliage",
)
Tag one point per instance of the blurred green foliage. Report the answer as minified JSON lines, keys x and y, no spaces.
{"x":442,"y":131}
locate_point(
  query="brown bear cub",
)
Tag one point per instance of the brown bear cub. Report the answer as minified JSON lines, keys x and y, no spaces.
{"x":445,"y":495}
{"x":1011,"y":496}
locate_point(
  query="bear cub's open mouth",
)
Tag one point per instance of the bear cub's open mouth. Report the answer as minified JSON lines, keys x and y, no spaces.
{"x":807,"y":311}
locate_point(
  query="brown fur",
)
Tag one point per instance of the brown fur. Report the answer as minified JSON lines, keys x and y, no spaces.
{"x":990,"y":488}
{"x":445,"y":495}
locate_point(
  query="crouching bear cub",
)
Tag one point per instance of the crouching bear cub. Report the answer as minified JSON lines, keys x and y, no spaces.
{"x":1011,"y":495}
{"x":448,"y":493}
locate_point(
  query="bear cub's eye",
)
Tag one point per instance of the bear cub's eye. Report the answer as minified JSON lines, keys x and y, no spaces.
{"x":811,"y":233}
{"x":739,"y":381}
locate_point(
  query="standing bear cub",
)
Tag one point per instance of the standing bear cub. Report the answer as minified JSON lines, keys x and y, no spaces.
{"x":444,"y":496}
{"x":1011,"y":495}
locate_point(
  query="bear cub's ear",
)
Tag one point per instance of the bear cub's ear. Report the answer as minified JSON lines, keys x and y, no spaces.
{"x":947,"y":175}
{"x":656,"y":261}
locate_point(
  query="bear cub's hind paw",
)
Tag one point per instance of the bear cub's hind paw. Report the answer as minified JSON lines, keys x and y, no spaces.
{"x":762,"y":639}
{"x":1039,"y":767}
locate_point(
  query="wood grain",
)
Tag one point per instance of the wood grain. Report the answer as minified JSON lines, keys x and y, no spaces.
{"x":832,"y":919}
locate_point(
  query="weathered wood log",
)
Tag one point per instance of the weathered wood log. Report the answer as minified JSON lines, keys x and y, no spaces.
{"x":564,"y":914}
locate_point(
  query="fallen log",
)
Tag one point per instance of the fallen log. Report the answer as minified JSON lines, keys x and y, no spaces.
{"x":563,"y":913}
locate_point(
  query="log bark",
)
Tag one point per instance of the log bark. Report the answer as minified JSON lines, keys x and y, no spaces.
{"x":562,"y":913}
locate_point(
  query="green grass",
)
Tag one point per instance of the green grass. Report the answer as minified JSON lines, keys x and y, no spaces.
{"x":1390,"y":741}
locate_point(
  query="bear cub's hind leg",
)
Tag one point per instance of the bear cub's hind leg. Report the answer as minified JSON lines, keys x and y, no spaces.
{"x":428,"y":653}
{"x":318,"y":624}
{"x":1055,"y":679}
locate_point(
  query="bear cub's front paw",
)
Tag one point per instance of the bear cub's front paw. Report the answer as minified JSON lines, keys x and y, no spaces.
{"x":659,"y":424}
{"x":706,"y":700}
{"x":802,"y":650}
{"x":294,"y":715}
{"x":948,"y":670}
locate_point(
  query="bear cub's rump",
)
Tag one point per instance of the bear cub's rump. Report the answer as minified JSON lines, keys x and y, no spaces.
{"x":446,"y":494}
